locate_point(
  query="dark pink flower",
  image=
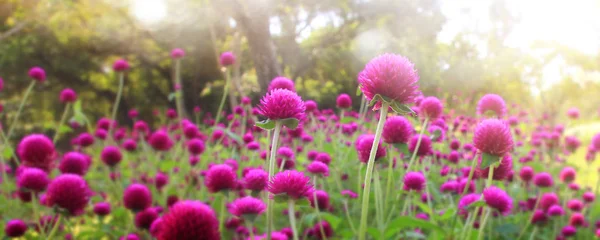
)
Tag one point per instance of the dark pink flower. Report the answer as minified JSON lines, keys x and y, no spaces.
{"x":69,"y":192}
{"x":547,"y":200}
{"x":397,"y":129}
{"x":256,"y":180}
{"x":526,"y":173}
{"x":322,"y":199}
{"x":465,"y":201}
{"x":424,"y":145}
{"x":38,"y":74}
{"x":493,"y":136}
{"x":102,"y":208}
{"x":292,"y":183}
{"x":160,"y":140}
{"x":343,"y":101}
{"x":227,"y":59}
{"x":568,"y":174}
{"x":431,"y":108}
{"x":32,"y":179}
{"x":68,"y":95}
{"x":73,"y":162}
{"x":177,"y":53}
{"x":189,"y":220}
{"x":195,"y":146}
{"x":311,"y":105}
{"x":493,"y":103}
{"x":15,"y":228}
{"x":120,"y":65}
{"x":144,"y":219}
{"x":37,"y":150}
{"x":543,"y":179}
{"x":498,"y":199}
{"x":281,"y":104}
{"x":414,"y":181}
{"x":247,"y":207}
{"x":111,"y":155}
{"x":281,"y":83}
{"x":137,"y":197}
{"x":220,"y":178}
{"x":318,"y":168}
{"x":363,"y":147}
{"x":501,"y":171}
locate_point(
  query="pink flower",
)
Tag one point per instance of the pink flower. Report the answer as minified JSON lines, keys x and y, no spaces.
{"x":501,"y":171}
{"x":311,"y":106}
{"x":102,"y":208}
{"x":465,"y":201}
{"x":144,"y":219}
{"x":160,"y":140}
{"x":556,"y":210}
{"x":220,"y":177}
{"x":281,"y":83}
{"x":397,"y":129}
{"x":68,"y":95}
{"x":15,"y":228}
{"x":318,"y":168}
{"x":349,"y":193}
{"x":247,"y":206}
{"x":70,"y":192}
{"x":548,"y":199}
{"x":256,"y":180}
{"x":177,"y":53}
{"x":38,"y":74}
{"x":137,"y":197}
{"x":120,"y":65}
{"x":74,"y":162}
{"x":424,"y":147}
{"x":111,"y":155}
{"x":195,"y":146}
{"x":575,"y":205}
{"x":493,"y":137}
{"x":189,"y":220}
{"x":33,"y":179}
{"x":493,"y":103}
{"x":431,"y":108}
{"x":498,"y":199}
{"x":322,"y":199}
{"x":37,"y":150}
{"x":363,"y":147}
{"x":227,"y":59}
{"x":281,"y":104}
{"x":292,"y":183}
{"x":543,"y":179}
{"x":343,"y":101}
{"x":526,"y":173}
{"x":568,"y":174}
{"x":573,"y":113}
{"x":414,"y":181}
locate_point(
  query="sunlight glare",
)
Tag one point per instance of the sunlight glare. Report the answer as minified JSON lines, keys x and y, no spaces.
{"x":149,"y":11}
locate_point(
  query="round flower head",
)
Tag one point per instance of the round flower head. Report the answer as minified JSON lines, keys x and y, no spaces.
{"x":85,"y":139}
{"x":120,"y":65}
{"x":431,"y":108}
{"x":397,"y":129}
{"x":573,"y":113}
{"x":497,"y":199}
{"x":322,"y":199}
{"x":465,"y":201}
{"x":556,"y":210}
{"x":318,"y":168}
{"x":575,"y":205}
{"x":539,"y":217}
{"x":15,"y":228}
{"x":323,"y":157}
{"x":111,"y":155}
{"x":1,"y":84}
{"x":568,"y":231}
{"x":424,"y":146}
{"x":133,"y":113}
{"x":526,"y":173}
{"x":130,"y":145}
{"x":501,"y":171}
{"x":543,"y":179}
{"x":391,"y":76}
{"x":160,"y":180}
{"x":292,"y":183}
{"x":220,"y":178}
{"x":102,"y":208}
{"x":363,"y":147}
{"x":69,"y":192}
{"x":449,"y":186}
{"x":68,"y":95}
{"x":73,"y":162}
{"x":568,"y":174}
{"x":589,"y":197}
{"x":281,"y":83}
{"x":195,"y":146}
{"x":493,"y":103}
{"x":247,"y":207}
{"x":33,"y":179}
{"x":155,"y":227}
{"x":160,"y":141}
{"x":38,"y":74}
{"x":189,"y":220}
{"x":311,"y":106}
{"x":177,"y":53}
{"x":144,"y":219}
{"x":281,"y":104}
{"x":343,"y":101}
{"x":577,"y":219}
{"x":492,"y":136}
{"x":227,"y":59}
{"x":454,"y":157}
{"x":414,"y":181}
{"x":548,"y":199}
{"x":256,"y":180}
{"x":36,"y":150}
{"x":137,"y":197}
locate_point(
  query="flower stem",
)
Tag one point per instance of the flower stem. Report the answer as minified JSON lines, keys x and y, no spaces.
{"x":63,"y":118}
{"x":318,"y":212}
{"x":225,"y":93}
{"x":51,"y":234}
{"x":250,"y":229}
{"x":271,"y":172}
{"x":222,"y":213}
{"x":533,"y":233}
{"x":292,"y":215}
{"x":16,"y":118}
{"x":370,"y":164}
{"x":412,"y":159}
{"x":482,"y":226}
{"x":390,"y":176}
{"x":489,"y":210}
{"x":178,"y":91}
{"x":113,"y":116}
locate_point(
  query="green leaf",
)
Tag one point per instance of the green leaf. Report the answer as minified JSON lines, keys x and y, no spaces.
{"x":64,"y":129}
{"x":424,"y":207}
{"x":347,"y":120}
{"x":281,"y":198}
{"x":358,"y":91}
{"x":172,"y":96}
{"x":266,"y":124}
{"x":7,"y":153}
{"x":77,"y":106}
{"x":167,"y":165}
{"x":401,"y":108}
{"x":375,"y":99}
{"x":374,"y":232}
{"x":449,"y":213}
{"x":436,"y":134}
{"x":488,"y":159}
{"x":403,"y":222}
{"x":291,"y":123}
{"x":476,"y":204}
{"x":507,"y":229}
{"x":414,"y":235}
{"x":333,"y":220}
{"x":403,"y":148}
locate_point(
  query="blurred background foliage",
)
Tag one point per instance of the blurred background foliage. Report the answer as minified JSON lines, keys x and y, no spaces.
{"x":320,"y":44}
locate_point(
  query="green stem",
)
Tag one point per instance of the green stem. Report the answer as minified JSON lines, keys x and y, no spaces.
{"x":482,"y":226}
{"x":292,"y":215}
{"x":18,"y":113}
{"x":250,"y":229}
{"x":51,"y":234}
{"x":225,"y":93}
{"x":63,"y":118}
{"x":345,"y":202}
{"x":222,"y":214}
{"x":414,"y":155}
{"x":178,"y":91}
{"x":370,"y":164}
{"x":271,"y":172}
{"x":113,"y":116}
{"x":317,"y":209}
{"x":533,"y":233}
{"x":390,"y":176}
{"x":471,"y":171}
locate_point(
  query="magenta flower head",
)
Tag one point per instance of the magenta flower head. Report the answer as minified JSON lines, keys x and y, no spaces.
{"x":111,"y":155}
{"x":543,"y":179}
{"x":323,"y":157}
{"x":33,"y":179}
{"x":322,"y":199}
{"x":343,"y":101}
{"x":569,"y":231}
{"x":397,"y":129}
{"x":38,"y":74}
{"x":247,"y":207}
{"x":137,"y":197}
{"x":220,"y":178}
{"x":195,"y":146}
{"x":120,"y":65}
{"x":363,"y":147}
{"x":69,"y":192}
{"x":589,"y":197}
{"x":256,"y":180}
{"x":15,"y":228}
{"x":85,"y":139}
{"x":491,"y":103}
{"x":130,"y":145}
{"x":573,"y":113}
{"x":102,"y":208}
{"x":556,"y":210}
{"x":177,"y":53}
{"x":1,"y":84}
{"x":189,"y":220}
{"x":318,"y":168}
{"x":431,"y":108}
{"x":290,"y":183}
{"x":539,"y":217}
{"x":575,"y":205}
{"x":493,"y":137}
{"x":227,"y":59}
{"x":73,"y":162}
{"x":68,"y":95}
{"x":311,"y":106}
{"x":526,"y":173}
{"x":577,"y":219}
{"x":281,"y":104}
{"x":133,"y":113}
{"x":160,"y":140}
{"x":548,"y":199}
{"x":281,"y":83}
{"x":144,"y":219}
{"x":424,"y":147}
{"x":501,"y":171}
{"x":497,"y":199}
{"x":465,"y":201}
{"x":414,"y":181}
{"x":568,"y":174}
{"x":37,"y":150}
{"x":391,"y":76}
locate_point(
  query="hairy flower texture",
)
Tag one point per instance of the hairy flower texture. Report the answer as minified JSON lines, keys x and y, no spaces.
{"x":575,"y":205}
{"x":15,"y":228}
{"x":37,"y":150}
{"x":323,"y":157}
{"x":363,"y":147}
{"x":424,"y":147}
{"x":247,"y":207}
{"x":465,"y":201}
{"x":543,"y":179}
{"x":414,"y":181}
{"x":569,"y":231}
{"x":102,"y":208}
{"x":69,"y":192}
{"x":195,"y":146}
{"x":111,"y":155}
{"x":137,"y":197}
{"x":572,"y":143}
{"x":454,"y":157}
{"x":573,"y":113}
{"x":343,"y":101}
{"x":85,"y":139}
{"x":526,"y":173}
{"x":492,"y":136}
{"x":281,"y":83}
{"x":130,"y":145}
{"x":318,"y":168}
{"x":220,"y":178}
{"x":431,"y":108}
{"x":548,"y":199}
{"x":501,"y":171}
{"x":539,"y":217}
{"x":292,"y":183}
{"x":160,"y":140}
{"x":120,"y":65}
{"x":67,"y":95}
{"x":576,"y":219}
{"x":38,"y":74}
{"x":397,"y":129}
{"x":281,"y":104}
{"x":32,"y":179}
{"x":498,"y":199}
{"x":391,"y":76}
{"x":493,"y":103}
{"x":227,"y":59}
{"x":189,"y":220}
{"x":322,"y":199}
{"x":73,"y":162}
{"x":568,"y":174}
{"x":144,"y":219}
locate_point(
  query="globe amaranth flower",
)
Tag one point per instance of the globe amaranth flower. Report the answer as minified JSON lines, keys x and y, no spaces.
{"x":227,"y":59}
{"x":397,"y":129}
{"x":68,"y":95}
{"x":256,"y":180}
{"x":498,"y":199}
{"x":465,"y":201}
{"x":539,"y":217}
{"x":85,"y":139}
{"x":414,"y":181}
{"x":195,"y":146}
{"x":548,"y":199}
{"x":220,"y":178}
{"x":247,"y":207}
{"x":144,"y":219}
{"x":318,"y":168}
{"x":493,"y":103}
{"x":555,"y":210}
{"x":38,"y":74}
{"x":311,"y":106}
{"x":102,"y":208}
{"x":568,"y":174}
{"x":501,"y":171}
{"x":189,"y":220}
{"x":316,"y":233}
{"x":391,"y":76}
{"x":281,"y":83}
{"x":120,"y":65}
{"x":323,"y":157}
{"x":281,"y":104}
{"x":322,"y":199}
{"x":69,"y":192}
{"x":575,"y":205}
{"x":431,"y":108}
{"x":573,"y":113}
{"x":363,"y":147}
{"x":37,"y":150}
{"x":493,"y":136}
{"x":292,"y":183}
{"x":589,"y":197}
{"x":15,"y":228}
{"x":424,"y":146}
{"x":137,"y":197}
{"x":111,"y":155}
{"x":576,"y":219}
{"x":543,"y":179}
{"x":526,"y":173}
{"x":32,"y":179}
{"x":74,"y":162}
{"x":343,"y":101}
{"x":569,"y":231}
{"x":177,"y":53}
{"x":160,"y":140}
